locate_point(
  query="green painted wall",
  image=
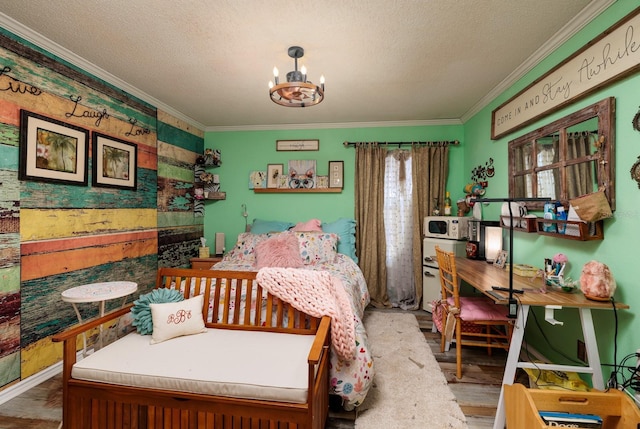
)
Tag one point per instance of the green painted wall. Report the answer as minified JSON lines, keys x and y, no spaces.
{"x":619,"y":248}
{"x":246,"y":151}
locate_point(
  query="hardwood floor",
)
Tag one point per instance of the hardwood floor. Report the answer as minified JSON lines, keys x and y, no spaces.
{"x":477,"y":391}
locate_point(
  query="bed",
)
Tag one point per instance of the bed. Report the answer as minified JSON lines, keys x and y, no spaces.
{"x":350,"y":378}
{"x":234,"y":367}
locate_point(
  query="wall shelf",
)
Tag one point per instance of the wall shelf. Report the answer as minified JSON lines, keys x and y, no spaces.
{"x":574,"y":230}
{"x":297,"y":191}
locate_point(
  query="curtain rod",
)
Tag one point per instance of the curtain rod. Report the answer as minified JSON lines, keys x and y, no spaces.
{"x":435,"y":144}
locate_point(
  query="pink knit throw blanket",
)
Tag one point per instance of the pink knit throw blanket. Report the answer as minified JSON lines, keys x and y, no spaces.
{"x":318,"y":294}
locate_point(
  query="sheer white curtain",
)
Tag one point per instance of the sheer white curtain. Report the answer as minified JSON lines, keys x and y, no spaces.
{"x":398,"y":223}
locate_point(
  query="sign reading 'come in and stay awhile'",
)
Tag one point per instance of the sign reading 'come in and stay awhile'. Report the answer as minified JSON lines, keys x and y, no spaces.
{"x":611,"y":56}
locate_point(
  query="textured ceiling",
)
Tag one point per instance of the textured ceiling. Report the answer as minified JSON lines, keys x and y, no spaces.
{"x":383,"y":60}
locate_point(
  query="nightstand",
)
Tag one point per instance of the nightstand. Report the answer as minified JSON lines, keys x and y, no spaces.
{"x":204,"y":263}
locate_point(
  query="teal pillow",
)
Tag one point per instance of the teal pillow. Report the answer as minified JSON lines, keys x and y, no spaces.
{"x":260,"y":226}
{"x":346,"y":230}
{"x":141,"y":311}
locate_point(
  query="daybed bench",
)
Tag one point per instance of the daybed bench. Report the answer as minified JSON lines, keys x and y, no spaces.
{"x":259,"y":364}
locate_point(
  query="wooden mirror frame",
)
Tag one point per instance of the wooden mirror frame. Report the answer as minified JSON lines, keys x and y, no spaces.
{"x":604,"y":110}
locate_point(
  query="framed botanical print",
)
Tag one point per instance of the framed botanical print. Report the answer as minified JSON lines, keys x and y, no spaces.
{"x":114,"y":162}
{"x":274,"y":171}
{"x":52,"y":150}
{"x":336,"y":174}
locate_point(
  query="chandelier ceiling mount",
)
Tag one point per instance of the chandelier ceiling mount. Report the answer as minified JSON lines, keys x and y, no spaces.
{"x":297,"y":91}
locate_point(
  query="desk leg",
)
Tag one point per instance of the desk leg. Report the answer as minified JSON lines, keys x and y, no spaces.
{"x":512,"y":363}
{"x":591,"y":344}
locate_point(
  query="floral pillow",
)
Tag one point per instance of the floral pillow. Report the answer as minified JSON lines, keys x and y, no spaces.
{"x":317,"y":247}
{"x":244,"y":252}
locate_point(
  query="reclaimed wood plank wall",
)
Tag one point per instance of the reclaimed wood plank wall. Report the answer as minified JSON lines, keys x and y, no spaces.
{"x":179,"y":231}
{"x":55,"y":236}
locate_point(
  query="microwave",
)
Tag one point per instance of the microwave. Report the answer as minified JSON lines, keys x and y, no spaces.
{"x":447,"y":227}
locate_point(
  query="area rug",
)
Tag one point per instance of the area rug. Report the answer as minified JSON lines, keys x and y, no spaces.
{"x":409,"y":389}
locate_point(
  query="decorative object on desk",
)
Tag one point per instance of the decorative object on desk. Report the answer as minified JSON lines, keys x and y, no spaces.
{"x":219,"y":243}
{"x":501,"y":260}
{"x":524,"y":270}
{"x":257,"y":179}
{"x":141,"y":311}
{"x":336,"y":174}
{"x":492,"y":243}
{"x":199,"y":194}
{"x":597,"y":282}
{"x":297,"y":91}
{"x":592,"y":207}
{"x":561,"y":283}
{"x":274,"y":171}
{"x":302,"y":174}
{"x":203,"y":250}
{"x":114,"y":162}
{"x":52,"y":151}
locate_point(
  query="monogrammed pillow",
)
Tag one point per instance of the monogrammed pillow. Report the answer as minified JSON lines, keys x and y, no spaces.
{"x":174,"y":319}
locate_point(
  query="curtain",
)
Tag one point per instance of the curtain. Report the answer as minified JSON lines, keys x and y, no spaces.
{"x":369,"y":207}
{"x":398,"y":214}
{"x":429,"y":171}
{"x":579,"y":176}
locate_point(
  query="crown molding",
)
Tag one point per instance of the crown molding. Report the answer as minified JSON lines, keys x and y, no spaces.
{"x":590,"y":12}
{"x":322,"y":126}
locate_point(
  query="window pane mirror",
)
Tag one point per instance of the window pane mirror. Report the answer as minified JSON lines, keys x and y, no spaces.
{"x":567,"y":158}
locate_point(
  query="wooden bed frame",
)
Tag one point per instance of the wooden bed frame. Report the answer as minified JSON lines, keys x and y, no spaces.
{"x":90,"y":405}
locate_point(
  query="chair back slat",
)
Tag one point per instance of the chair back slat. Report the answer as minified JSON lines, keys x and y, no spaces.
{"x":448,"y":275}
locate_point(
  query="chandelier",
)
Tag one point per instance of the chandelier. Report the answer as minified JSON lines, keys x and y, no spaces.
{"x":297,"y":91}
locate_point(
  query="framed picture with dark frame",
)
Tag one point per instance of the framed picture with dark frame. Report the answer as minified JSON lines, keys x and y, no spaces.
{"x":52,"y":150}
{"x":336,"y":174}
{"x":114,"y":162}
{"x":274,"y":171}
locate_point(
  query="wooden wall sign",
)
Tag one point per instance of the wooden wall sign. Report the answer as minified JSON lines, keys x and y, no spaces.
{"x":612,"y":55}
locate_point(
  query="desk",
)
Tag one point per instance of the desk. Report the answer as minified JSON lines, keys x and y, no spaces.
{"x":482,"y":276}
{"x":97,"y":292}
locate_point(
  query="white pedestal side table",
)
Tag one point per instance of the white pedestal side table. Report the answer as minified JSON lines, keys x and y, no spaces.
{"x":97,"y":292}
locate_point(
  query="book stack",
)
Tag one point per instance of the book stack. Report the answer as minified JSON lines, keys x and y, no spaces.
{"x":571,"y":420}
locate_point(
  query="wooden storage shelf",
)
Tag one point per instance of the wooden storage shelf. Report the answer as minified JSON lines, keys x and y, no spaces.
{"x":204,"y":263}
{"x":574,"y":230}
{"x":215,"y":196}
{"x":297,"y":191}
{"x":522,"y":406}
{"x":523,"y":224}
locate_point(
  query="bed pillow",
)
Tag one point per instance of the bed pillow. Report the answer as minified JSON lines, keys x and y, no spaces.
{"x":279,"y":251}
{"x":310,"y":225}
{"x":176,"y":319}
{"x":244,"y":251}
{"x":346,"y":230}
{"x":260,"y":226}
{"x":141,"y":312}
{"x":317,"y":247}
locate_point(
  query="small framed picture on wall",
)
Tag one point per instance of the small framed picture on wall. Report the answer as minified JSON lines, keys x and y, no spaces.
{"x":336,"y":174}
{"x":274,"y":171}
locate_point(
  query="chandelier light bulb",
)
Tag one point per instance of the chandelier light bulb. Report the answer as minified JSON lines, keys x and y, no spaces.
{"x":322,"y":82}
{"x":275,"y":74}
{"x":270,"y":84}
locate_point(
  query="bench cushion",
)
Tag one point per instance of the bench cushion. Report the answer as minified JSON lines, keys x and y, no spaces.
{"x":232,"y":363}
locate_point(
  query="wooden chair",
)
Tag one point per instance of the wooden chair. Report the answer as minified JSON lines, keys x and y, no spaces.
{"x":478,"y":321}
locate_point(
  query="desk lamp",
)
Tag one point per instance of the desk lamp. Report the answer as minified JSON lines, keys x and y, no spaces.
{"x":513,"y":305}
